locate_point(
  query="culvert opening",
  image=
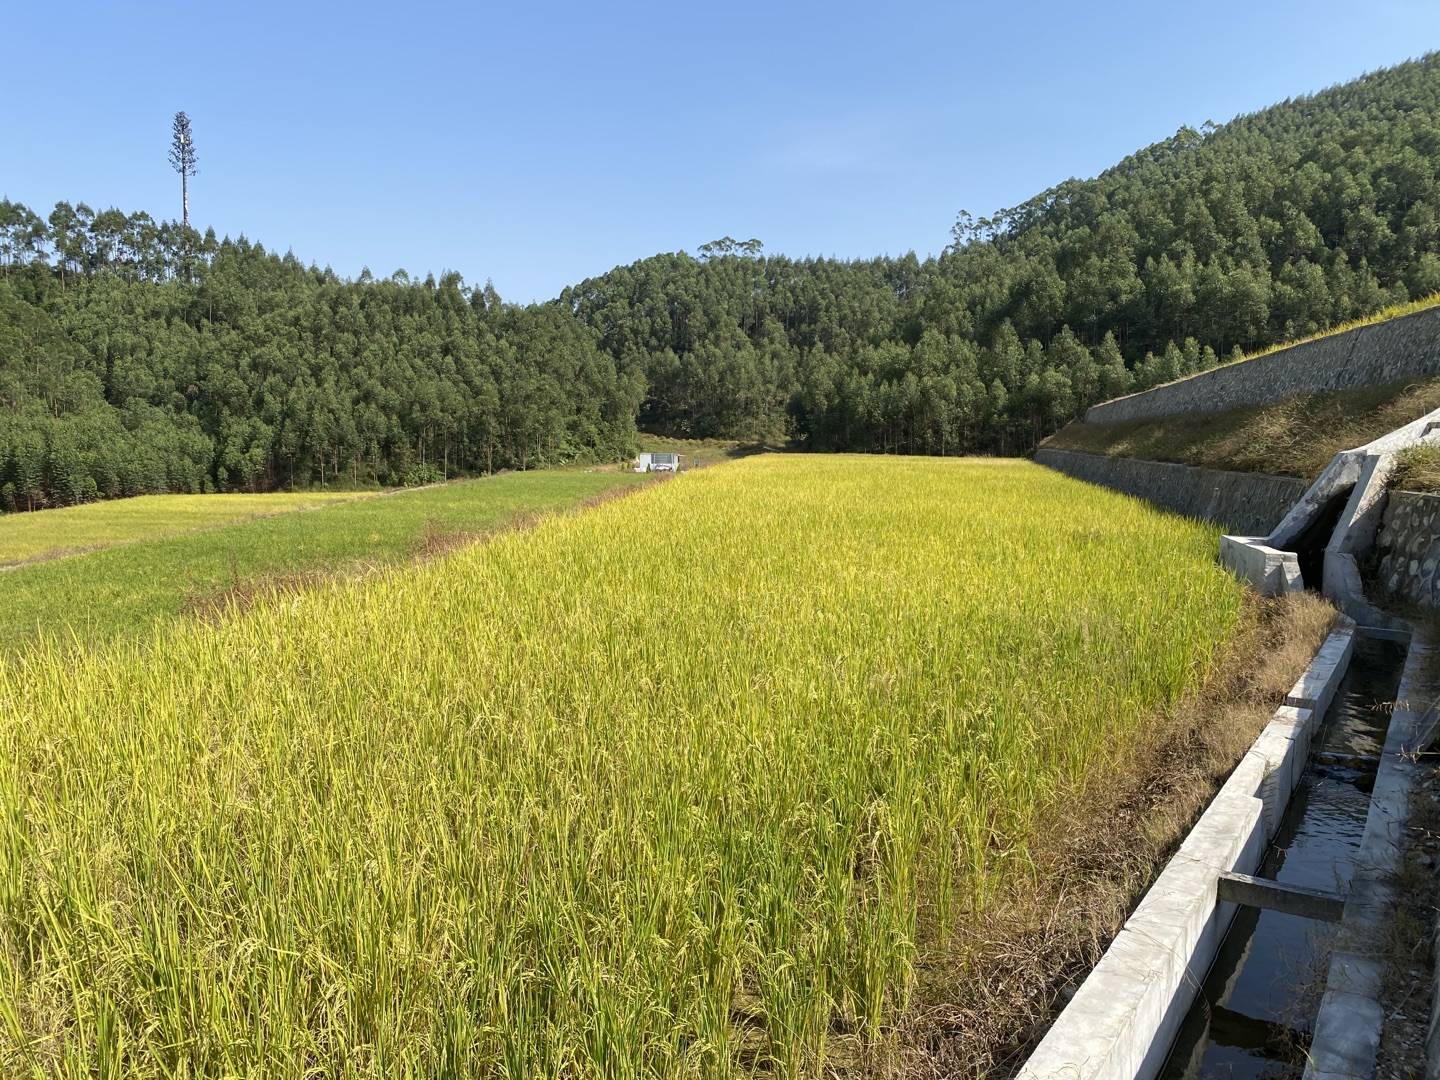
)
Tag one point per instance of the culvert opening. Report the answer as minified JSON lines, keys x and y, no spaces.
{"x":1310,"y":545}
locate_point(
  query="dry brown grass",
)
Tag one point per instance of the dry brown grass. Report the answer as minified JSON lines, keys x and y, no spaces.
{"x":981,"y":1006}
{"x":211,"y":606}
{"x":1295,"y":437}
{"x":435,"y":540}
{"x":1417,"y":469}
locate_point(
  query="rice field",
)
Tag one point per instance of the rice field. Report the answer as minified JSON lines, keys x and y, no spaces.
{"x":685,"y":785}
{"x":46,"y":534}
{"x":124,"y":590}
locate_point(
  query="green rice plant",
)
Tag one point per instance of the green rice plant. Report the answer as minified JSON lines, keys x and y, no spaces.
{"x":45,"y":534}
{"x":125,"y":589}
{"x":685,"y":785}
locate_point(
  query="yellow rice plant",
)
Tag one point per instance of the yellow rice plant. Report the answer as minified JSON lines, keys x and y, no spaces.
{"x":679,"y":786}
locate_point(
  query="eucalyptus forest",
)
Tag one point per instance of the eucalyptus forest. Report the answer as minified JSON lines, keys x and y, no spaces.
{"x":143,"y":356}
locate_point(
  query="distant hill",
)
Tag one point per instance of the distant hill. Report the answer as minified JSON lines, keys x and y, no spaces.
{"x":1273,"y":226}
{"x":140,"y":356}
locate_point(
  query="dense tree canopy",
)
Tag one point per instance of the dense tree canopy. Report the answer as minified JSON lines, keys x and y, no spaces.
{"x":141,"y":356}
{"x":148,"y":359}
{"x":1272,"y":226}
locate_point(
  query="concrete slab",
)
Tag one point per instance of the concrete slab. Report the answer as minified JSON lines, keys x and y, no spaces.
{"x":1385,"y":633}
{"x":1345,"y":588}
{"x":1268,"y":570}
{"x":1250,"y":891}
{"x":1346,"y":1038}
{"x":1289,"y":732}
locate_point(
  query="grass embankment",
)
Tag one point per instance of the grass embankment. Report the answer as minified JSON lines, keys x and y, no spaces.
{"x":1417,"y":469}
{"x":1385,"y":314}
{"x":713,"y":778}
{"x":46,"y":534}
{"x":1295,"y":437}
{"x":122,"y":590}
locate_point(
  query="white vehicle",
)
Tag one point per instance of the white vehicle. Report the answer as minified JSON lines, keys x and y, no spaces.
{"x":658,"y":462}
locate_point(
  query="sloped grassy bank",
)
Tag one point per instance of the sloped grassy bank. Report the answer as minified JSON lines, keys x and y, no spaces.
{"x":1295,"y":437}
{"x":696,"y":782}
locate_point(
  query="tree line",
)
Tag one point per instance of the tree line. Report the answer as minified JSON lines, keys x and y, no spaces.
{"x":167,"y":361}
{"x":138,"y":355}
{"x":1204,"y":246}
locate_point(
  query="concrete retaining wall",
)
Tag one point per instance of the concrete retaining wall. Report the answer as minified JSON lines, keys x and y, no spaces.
{"x":1409,"y":548}
{"x":1247,"y":503}
{"x":1270,"y":571}
{"x":1385,"y":352}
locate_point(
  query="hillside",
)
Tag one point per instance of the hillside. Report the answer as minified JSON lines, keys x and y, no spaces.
{"x":242,"y":371}
{"x":1213,"y":242}
{"x":138,"y":356}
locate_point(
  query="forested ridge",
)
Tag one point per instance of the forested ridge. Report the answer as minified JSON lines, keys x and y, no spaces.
{"x":215,"y":365}
{"x":1213,"y":242}
{"x":139,"y":356}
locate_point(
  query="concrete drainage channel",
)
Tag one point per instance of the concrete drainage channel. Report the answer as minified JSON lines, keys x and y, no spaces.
{"x":1332,"y":526}
{"x":1291,"y":861}
{"x":1254,"y":1014}
{"x":1296,"y":857}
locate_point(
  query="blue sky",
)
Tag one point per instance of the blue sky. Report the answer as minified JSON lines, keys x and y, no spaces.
{"x":538,"y":144}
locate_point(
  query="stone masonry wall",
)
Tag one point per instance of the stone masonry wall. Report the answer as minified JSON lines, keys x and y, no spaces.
{"x":1385,"y":352}
{"x":1250,"y":504}
{"x":1408,"y":547}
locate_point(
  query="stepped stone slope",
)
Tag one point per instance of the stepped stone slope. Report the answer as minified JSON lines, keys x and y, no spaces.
{"x":1409,"y":549}
{"x":1385,"y":352}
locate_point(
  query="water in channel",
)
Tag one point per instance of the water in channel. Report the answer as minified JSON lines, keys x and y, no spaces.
{"x":1255,"y":1013}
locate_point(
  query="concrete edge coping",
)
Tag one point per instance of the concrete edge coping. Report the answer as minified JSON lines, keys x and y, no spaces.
{"x":1385,"y":633}
{"x":1124,"y":1016}
{"x":1271,"y":571}
{"x":1318,"y":682}
{"x":1349,"y":1024}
